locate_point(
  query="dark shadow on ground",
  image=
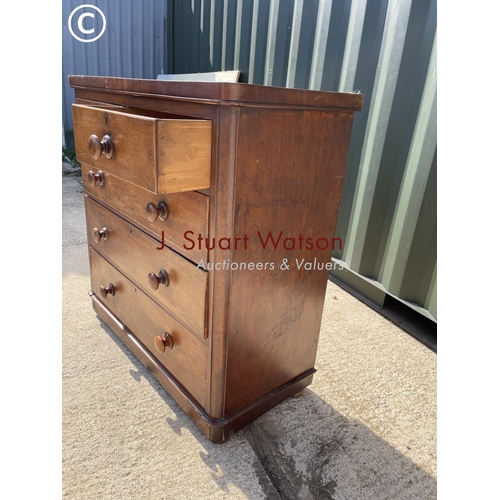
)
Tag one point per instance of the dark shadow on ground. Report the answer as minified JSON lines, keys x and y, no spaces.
{"x":305,"y":449}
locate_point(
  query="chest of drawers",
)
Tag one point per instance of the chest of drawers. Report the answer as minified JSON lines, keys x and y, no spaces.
{"x":210,"y":210}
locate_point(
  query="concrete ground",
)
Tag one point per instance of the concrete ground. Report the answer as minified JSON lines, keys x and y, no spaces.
{"x":364,"y":429}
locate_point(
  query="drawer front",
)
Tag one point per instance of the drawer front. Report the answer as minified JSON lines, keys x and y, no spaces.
{"x":146,"y":320}
{"x":160,"y":155}
{"x":187,"y":213}
{"x":183,"y":292}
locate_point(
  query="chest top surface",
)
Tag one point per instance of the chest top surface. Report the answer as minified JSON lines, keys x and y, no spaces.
{"x":220,"y":93}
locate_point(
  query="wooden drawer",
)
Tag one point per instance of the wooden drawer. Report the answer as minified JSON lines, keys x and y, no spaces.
{"x":147,"y":320}
{"x":137,"y":256}
{"x":160,"y":155}
{"x":187,"y":213}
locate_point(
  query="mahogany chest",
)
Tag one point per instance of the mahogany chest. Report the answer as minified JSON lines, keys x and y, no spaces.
{"x":211,"y":210}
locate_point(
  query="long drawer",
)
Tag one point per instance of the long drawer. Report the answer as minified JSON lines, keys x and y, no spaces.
{"x":169,"y":279}
{"x":178,"y":219}
{"x":156,"y":329}
{"x":160,"y":155}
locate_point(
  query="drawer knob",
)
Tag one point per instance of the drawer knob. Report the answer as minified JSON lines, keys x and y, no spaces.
{"x":155,"y":281}
{"x":162,"y":343}
{"x":97,"y":178}
{"x":104,"y":291}
{"x":97,"y":235}
{"x":154,"y":212}
{"x":104,"y":146}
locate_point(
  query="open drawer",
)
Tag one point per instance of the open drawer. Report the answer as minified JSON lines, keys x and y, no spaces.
{"x":157,"y":154}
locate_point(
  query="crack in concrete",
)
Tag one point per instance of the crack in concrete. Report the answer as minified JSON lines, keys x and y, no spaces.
{"x":287,"y":482}
{"x":265,"y":480}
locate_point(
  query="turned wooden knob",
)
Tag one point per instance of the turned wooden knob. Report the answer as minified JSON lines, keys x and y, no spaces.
{"x":155,"y":281}
{"x":98,"y":234}
{"x":101,"y":147}
{"x":97,"y":178}
{"x":104,"y":291}
{"x":162,"y":343}
{"x":154,"y":212}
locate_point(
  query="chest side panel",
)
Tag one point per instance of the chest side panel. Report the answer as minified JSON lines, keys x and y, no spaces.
{"x":288,"y":177}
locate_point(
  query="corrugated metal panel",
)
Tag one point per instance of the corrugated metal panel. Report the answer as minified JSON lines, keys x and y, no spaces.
{"x":132,"y":45}
{"x":387,"y":50}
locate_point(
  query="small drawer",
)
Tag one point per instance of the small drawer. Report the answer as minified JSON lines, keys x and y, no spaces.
{"x":155,"y":328}
{"x":186,"y":213}
{"x":160,"y":155}
{"x":172,"y":281}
